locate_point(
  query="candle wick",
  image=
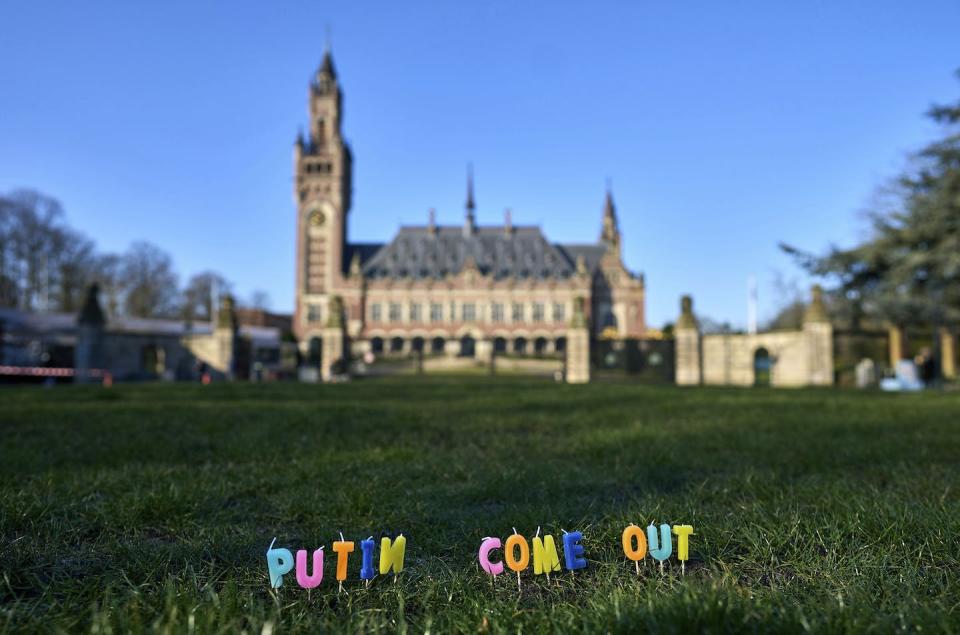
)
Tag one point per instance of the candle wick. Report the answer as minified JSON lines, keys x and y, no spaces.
{"x":271,"y":543}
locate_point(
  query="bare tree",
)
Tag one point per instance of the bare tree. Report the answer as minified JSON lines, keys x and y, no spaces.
{"x":44,"y":264}
{"x":260,"y":299}
{"x":199,"y":292}
{"x":149,"y":281}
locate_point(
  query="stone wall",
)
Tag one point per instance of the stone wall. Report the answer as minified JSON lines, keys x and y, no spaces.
{"x":801,"y":357}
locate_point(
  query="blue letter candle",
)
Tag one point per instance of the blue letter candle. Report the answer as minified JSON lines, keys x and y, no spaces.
{"x":573,"y":550}
{"x":662,"y":548}
{"x":279,"y":561}
{"x":366,"y":567}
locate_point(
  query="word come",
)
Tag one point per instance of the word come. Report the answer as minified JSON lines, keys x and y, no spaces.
{"x":281,"y":561}
{"x":546,"y":560}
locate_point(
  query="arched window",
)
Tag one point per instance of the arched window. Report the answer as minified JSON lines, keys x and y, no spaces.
{"x":499,"y":345}
{"x":437,"y":345}
{"x":417,"y":344}
{"x":314,"y":352}
{"x":520,"y":345}
{"x":396,"y":344}
{"x":467,"y":346}
{"x":540,"y":345}
{"x":376,"y":345}
{"x":762,"y":363}
{"x":560,"y":345}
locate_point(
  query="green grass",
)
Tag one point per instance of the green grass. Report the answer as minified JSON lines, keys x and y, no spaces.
{"x":149,"y":507}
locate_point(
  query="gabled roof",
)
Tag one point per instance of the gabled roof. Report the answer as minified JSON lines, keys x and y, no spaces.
{"x":521,"y":253}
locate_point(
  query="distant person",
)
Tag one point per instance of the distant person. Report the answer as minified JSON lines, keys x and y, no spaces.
{"x":927,"y":365}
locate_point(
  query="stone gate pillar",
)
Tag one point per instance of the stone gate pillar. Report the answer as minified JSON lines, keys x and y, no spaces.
{"x":578,"y":346}
{"x":819,"y":337}
{"x":226,"y":336}
{"x":688,"y":362}
{"x":90,"y":328}
{"x":895,"y":344}
{"x":948,"y":354}
{"x":333,"y":358}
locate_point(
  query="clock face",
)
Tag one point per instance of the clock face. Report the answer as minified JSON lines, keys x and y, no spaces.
{"x":317,"y":218}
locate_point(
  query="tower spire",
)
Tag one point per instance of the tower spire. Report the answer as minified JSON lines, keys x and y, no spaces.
{"x":470,"y":224}
{"x":610,"y":234}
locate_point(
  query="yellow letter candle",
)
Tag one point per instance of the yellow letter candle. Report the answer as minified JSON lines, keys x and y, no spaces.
{"x":545,"y":556}
{"x":683,"y":533}
{"x":391,"y":554}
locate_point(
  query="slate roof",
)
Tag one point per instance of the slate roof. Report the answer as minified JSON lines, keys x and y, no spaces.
{"x":524,"y":253}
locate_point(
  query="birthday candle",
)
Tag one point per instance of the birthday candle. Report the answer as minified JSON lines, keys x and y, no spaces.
{"x":391,"y":555}
{"x":662,"y":548}
{"x":573,"y":551}
{"x":630,"y":535}
{"x":545,"y":558}
{"x":366,"y":564}
{"x":343,"y":549}
{"x":309,"y":581}
{"x":683,"y":533}
{"x":279,"y":562}
{"x":509,"y":553}
{"x":488,"y":545}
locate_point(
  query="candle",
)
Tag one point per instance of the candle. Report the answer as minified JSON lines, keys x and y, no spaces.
{"x":683,"y":533}
{"x":660,"y":548}
{"x":573,"y":551}
{"x":343,"y":549}
{"x":303,"y":579}
{"x":488,"y":545}
{"x":509,"y":553}
{"x":279,"y":562}
{"x":631,"y":535}
{"x":366,"y":564}
{"x":545,"y":558}
{"x":391,"y":554}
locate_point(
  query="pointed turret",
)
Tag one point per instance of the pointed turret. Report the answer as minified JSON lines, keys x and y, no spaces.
{"x":610,"y":234}
{"x":326,"y":66}
{"x":469,"y":225}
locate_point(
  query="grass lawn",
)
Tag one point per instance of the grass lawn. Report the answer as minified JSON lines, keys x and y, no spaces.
{"x":146,"y":507}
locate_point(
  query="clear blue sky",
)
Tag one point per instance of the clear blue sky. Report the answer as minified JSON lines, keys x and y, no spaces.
{"x":725,"y":127}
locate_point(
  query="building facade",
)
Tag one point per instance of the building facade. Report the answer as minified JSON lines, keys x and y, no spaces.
{"x":466,"y":291}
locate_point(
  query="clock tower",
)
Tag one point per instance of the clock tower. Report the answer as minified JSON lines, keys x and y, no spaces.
{"x":322,"y":166}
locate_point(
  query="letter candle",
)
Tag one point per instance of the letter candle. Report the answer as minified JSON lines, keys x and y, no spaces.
{"x":660,"y":549}
{"x":303,"y":579}
{"x":366,"y":564}
{"x":343,"y":549}
{"x":545,"y":558}
{"x":573,"y":550}
{"x":509,"y":554}
{"x":630,"y":535}
{"x":486,"y":546}
{"x":683,"y":533}
{"x":279,"y":562}
{"x":391,"y":555}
